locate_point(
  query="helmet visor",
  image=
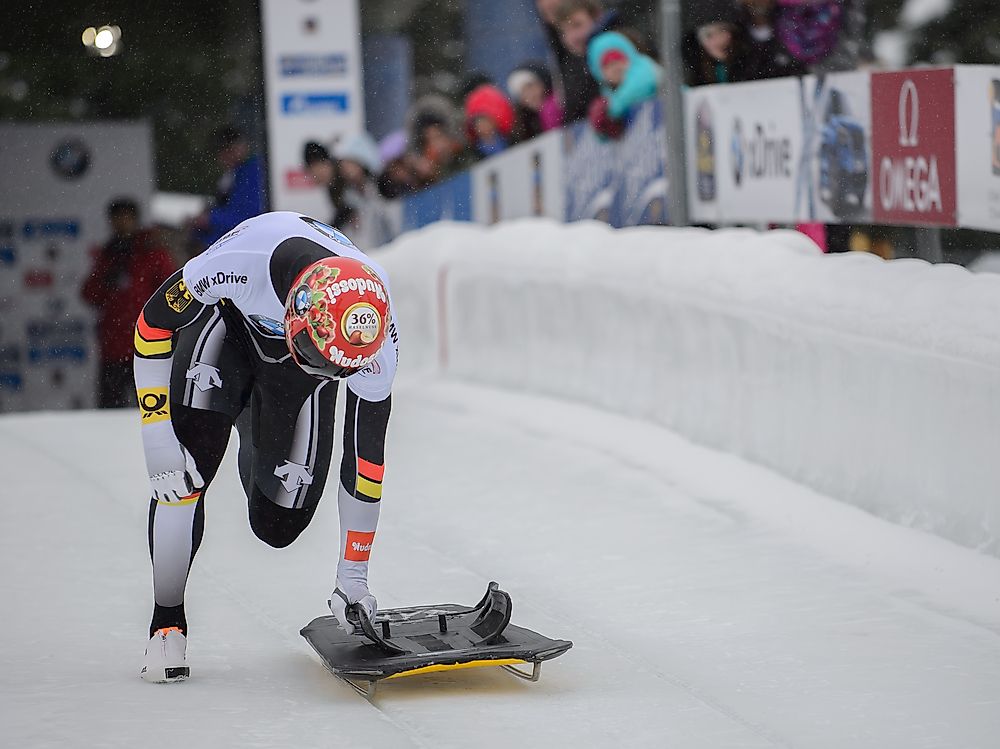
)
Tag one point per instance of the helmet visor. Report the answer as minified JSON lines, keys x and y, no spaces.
{"x":311,"y":361}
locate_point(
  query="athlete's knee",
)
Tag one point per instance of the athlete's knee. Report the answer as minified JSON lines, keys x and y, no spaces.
{"x":275,"y":525}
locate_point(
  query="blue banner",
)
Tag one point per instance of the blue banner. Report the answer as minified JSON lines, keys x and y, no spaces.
{"x":448,"y":201}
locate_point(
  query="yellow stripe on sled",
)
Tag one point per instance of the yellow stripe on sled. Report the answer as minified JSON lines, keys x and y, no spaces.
{"x":456,"y":666}
{"x":369,"y":488}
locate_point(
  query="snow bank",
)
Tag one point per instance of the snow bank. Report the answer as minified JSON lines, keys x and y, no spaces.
{"x":876,"y":383}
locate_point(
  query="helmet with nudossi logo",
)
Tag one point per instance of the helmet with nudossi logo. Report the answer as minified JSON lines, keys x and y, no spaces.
{"x":336,"y":317}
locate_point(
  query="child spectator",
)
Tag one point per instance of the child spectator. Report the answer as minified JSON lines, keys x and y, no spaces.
{"x":536,"y":108}
{"x":627,"y":79}
{"x":489,"y":121}
{"x":439,"y":149}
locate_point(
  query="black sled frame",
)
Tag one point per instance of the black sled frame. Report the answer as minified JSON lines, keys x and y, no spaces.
{"x":422,"y":639}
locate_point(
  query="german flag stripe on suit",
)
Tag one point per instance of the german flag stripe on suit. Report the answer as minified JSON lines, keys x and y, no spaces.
{"x":150,"y":342}
{"x":369,"y":480}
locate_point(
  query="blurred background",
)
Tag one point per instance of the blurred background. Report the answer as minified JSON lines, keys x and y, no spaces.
{"x":132,"y":136}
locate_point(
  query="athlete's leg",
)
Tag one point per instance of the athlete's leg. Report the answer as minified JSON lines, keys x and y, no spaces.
{"x":286,"y":442}
{"x":209,"y":382}
{"x":176,"y":528}
{"x":360,"y":492}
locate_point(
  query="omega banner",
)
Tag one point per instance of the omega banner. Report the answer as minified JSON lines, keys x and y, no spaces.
{"x":913,"y":140}
{"x":913,"y":147}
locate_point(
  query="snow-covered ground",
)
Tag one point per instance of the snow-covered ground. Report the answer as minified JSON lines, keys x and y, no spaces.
{"x":712,"y":603}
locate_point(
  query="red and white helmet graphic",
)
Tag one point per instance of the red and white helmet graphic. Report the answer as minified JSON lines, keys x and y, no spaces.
{"x":336,"y":317}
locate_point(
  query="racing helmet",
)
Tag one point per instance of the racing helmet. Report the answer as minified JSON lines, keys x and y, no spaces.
{"x":336,"y":317}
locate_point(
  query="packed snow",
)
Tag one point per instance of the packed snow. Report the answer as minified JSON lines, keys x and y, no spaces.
{"x":712,"y":603}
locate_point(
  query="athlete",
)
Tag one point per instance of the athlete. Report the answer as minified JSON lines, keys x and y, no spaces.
{"x":257,"y":332}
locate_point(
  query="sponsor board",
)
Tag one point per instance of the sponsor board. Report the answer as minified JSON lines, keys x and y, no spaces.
{"x":313,"y":91}
{"x":913,"y":147}
{"x":744,"y":148}
{"x":977,"y":136}
{"x":526,"y":180}
{"x":834,"y":182}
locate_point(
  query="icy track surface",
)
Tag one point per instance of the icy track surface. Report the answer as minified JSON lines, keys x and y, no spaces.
{"x":712,"y":603}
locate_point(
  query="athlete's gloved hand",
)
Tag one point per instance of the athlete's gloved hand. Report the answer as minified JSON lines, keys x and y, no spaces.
{"x":341,"y":605}
{"x":173,"y":474}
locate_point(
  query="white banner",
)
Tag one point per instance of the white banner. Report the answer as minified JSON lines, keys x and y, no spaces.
{"x":977,"y":135}
{"x":58,"y":180}
{"x":526,"y":180}
{"x":312,"y":76}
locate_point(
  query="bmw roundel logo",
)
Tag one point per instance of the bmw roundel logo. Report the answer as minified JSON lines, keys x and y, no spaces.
{"x":70,"y":159}
{"x":301,"y":301}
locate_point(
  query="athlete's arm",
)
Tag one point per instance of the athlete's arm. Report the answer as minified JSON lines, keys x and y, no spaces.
{"x":172,"y":474}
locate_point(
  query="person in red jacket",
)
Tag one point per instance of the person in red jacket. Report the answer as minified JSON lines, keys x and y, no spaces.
{"x":128,"y":268}
{"x":489,"y":120}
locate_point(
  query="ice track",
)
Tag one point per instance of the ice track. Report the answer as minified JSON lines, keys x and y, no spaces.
{"x":712,"y":604}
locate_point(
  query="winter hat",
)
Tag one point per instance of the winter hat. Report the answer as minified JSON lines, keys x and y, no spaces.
{"x":361,"y":149}
{"x":520,"y":78}
{"x":313,"y":152}
{"x":392,"y":146}
{"x":613,"y":55}
{"x":489,"y":101}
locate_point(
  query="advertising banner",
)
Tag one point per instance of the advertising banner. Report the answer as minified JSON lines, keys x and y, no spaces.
{"x":58,"y":181}
{"x":977,"y":103}
{"x":913,"y":147}
{"x":313,"y":83}
{"x":745,"y":147}
{"x":834,"y":184}
{"x":703,"y":108}
{"x":525,"y":180}
{"x":622,"y":182}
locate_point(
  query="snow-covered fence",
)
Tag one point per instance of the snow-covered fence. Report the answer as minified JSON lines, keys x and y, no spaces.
{"x":876,"y":383}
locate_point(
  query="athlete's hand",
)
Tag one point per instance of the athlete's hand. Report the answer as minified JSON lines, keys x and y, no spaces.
{"x":177,"y":483}
{"x":341,"y":603}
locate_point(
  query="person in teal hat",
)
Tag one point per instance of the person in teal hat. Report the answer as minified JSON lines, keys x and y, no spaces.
{"x":627,"y":79}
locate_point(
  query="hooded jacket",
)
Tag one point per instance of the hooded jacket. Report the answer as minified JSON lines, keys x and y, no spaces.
{"x":642,"y":79}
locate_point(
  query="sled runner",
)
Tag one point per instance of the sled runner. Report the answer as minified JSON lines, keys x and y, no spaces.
{"x":423,"y":639}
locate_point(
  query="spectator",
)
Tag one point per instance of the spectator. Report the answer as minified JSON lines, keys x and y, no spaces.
{"x":359,"y":162}
{"x":435,"y":137}
{"x":627,"y":79}
{"x":577,"y":86}
{"x":823,"y":35}
{"x":719,"y":51}
{"x":127,"y":270}
{"x":324,"y":171}
{"x":578,"y":21}
{"x":489,"y":121}
{"x":771,"y":59}
{"x":240,"y":190}
{"x":536,"y":108}
{"x":398,"y":176}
